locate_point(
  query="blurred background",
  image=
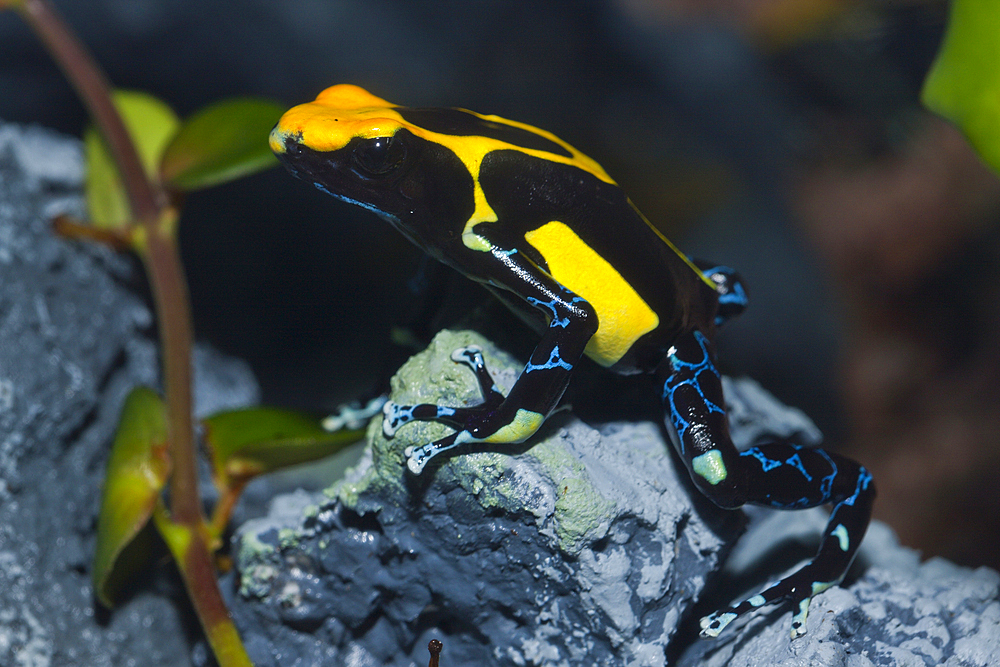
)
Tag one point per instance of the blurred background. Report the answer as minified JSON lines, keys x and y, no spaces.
{"x":782,"y":137}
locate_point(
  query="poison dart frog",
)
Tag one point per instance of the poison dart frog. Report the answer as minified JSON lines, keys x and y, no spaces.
{"x":546,"y":229}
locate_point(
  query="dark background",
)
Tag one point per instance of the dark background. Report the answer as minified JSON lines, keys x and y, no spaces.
{"x":784,"y":138}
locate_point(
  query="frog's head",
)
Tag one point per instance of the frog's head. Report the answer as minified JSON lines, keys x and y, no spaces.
{"x":345,"y":143}
{"x":358,"y":148}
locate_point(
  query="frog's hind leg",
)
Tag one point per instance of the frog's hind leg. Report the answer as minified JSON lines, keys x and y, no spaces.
{"x":780,"y":475}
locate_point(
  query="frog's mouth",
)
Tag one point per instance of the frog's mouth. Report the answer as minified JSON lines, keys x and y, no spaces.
{"x":320,"y":168}
{"x":302,"y":161}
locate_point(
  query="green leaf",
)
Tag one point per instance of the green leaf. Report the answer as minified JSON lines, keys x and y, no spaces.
{"x":964,"y":82}
{"x":151,"y":124}
{"x":221,"y":143}
{"x":137,"y":470}
{"x":250,"y":442}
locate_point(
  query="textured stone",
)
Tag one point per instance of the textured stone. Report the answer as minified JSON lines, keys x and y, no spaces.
{"x":898,"y":612}
{"x":581,"y":548}
{"x":73,"y":341}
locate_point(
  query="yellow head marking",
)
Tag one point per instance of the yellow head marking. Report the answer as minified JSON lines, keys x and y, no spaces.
{"x":336,"y":116}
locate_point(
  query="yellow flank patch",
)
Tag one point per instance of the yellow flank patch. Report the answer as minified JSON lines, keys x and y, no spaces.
{"x":622,"y":315}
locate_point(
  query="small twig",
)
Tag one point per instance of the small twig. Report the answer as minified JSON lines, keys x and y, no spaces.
{"x":66,"y":226}
{"x":434,"y":648}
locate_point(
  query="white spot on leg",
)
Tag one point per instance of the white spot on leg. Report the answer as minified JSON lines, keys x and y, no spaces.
{"x":710,"y":466}
{"x":840,"y":532}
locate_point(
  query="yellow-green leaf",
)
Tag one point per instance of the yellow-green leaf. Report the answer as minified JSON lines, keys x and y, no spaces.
{"x":250,"y":442}
{"x":964,"y":82}
{"x":137,"y":470}
{"x":221,"y":143}
{"x":151,"y":124}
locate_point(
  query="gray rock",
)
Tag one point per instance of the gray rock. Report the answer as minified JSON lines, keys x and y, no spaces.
{"x":584,"y":548}
{"x":898,"y":612}
{"x":73,"y":342}
{"x":581,"y":548}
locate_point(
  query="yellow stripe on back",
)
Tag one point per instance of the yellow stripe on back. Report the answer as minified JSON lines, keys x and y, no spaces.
{"x":623,"y":317}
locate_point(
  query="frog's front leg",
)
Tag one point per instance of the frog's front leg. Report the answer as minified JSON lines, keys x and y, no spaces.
{"x":395,"y":415}
{"x":516,"y":417}
{"x":780,"y":475}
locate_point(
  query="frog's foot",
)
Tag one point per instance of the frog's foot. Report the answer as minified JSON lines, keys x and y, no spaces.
{"x":798,"y":588}
{"x":396,"y":415}
{"x":352,"y":416}
{"x":417,"y":457}
{"x":729,"y":285}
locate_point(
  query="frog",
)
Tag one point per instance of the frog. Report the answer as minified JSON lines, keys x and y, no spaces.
{"x":544,"y":228}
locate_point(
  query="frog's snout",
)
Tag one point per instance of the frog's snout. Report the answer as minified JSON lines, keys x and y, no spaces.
{"x":276,"y":140}
{"x":284,"y":143}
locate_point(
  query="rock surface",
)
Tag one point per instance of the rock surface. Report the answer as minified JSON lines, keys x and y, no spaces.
{"x":73,"y":342}
{"x":583,"y":548}
{"x":899,"y":611}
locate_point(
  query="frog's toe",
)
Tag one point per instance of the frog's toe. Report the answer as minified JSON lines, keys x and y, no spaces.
{"x":713,"y":624}
{"x":799,"y":619}
{"x":395,"y":415}
{"x":416,"y":459}
{"x":471,"y":356}
{"x":352,"y":416}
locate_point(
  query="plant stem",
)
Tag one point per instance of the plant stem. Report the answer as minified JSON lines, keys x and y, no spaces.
{"x":223,"y":510}
{"x":191,"y":552}
{"x":158,"y":247}
{"x":160,"y":255}
{"x":87,"y":79}
{"x":155,"y":240}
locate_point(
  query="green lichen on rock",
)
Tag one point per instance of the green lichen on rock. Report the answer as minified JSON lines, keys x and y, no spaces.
{"x":580,"y":514}
{"x":260,"y":563}
{"x":428,"y":377}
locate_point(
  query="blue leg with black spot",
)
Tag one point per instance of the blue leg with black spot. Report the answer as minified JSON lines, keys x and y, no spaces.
{"x":395,"y":415}
{"x":780,"y":475}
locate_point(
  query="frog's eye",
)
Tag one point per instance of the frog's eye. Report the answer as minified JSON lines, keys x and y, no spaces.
{"x":379,"y":155}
